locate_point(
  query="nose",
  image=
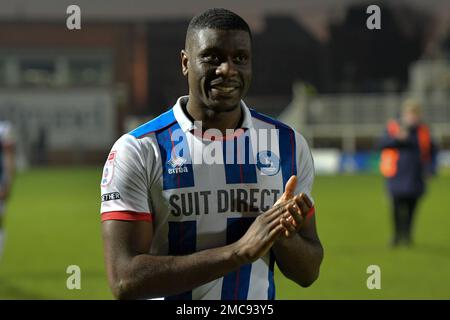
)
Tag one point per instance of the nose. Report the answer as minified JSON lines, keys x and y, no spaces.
{"x":226,"y":69}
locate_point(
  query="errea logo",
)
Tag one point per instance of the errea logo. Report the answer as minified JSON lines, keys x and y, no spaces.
{"x":177,"y":164}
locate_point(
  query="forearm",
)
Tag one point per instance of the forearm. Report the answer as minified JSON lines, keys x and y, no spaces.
{"x":132,"y":274}
{"x":147,"y":276}
{"x":299,"y":258}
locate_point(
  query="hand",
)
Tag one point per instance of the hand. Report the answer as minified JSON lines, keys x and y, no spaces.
{"x":289,"y":189}
{"x":297,"y":207}
{"x":294,"y":219}
{"x":402,"y":134}
{"x":261,"y":235}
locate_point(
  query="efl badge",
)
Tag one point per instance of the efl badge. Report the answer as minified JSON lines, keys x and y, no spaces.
{"x":108,"y":170}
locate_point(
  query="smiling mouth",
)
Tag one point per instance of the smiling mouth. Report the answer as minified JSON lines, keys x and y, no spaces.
{"x":224,"y":89}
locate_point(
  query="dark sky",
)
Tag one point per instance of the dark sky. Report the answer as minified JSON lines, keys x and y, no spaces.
{"x":314,"y":14}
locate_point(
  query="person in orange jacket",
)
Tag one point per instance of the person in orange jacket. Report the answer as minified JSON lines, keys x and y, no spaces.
{"x":408,"y":157}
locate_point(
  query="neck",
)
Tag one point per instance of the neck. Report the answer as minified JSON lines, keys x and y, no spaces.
{"x":213,"y":119}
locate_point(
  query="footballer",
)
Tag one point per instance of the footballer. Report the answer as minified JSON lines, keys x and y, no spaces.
{"x":178,"y":226}
{"x":7,"y":169}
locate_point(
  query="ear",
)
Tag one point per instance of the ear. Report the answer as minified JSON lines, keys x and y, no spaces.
{"x":184,"y":62}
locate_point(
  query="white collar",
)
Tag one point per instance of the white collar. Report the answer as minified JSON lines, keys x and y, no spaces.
{"x":187,"y":125}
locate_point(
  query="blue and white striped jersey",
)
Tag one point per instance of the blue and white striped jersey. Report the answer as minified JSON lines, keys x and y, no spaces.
{"x":203,"y":190}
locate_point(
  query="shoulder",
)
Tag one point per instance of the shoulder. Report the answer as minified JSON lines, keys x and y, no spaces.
{"x":157,"y":124}
{"x":269,"y":120}
{"x":286,"y":131}
{"x":140,"y":141}
{"x":293,"y":143}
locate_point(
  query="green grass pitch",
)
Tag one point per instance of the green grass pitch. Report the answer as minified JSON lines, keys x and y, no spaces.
{"x":53,"y":221}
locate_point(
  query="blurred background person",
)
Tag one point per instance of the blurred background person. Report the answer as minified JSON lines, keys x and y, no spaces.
{"x":407,"y":160}
{"x":6,"y":172}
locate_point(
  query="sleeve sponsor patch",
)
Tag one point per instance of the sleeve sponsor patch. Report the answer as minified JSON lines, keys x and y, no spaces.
{"x":110,"y":196}
{"x":108,"y":170}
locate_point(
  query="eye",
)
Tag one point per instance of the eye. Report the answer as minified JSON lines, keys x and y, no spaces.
{"x":240,"y":58}
{"x":211,"y":58}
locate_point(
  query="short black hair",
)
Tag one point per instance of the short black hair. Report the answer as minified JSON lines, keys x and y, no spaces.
{"x":218,"y":18}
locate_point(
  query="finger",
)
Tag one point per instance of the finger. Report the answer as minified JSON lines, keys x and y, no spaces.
{"x":287,"y":225}
{"x":274,"y":214}
{"x":292,"y":221}
{"x":296,"y":214}
{"x":277,"y":210}
{"x":282,"y":203}
{"x":290,"y":224}
{"x":302,"y":198}
{"x":288,"y":190}
{"x":302,"y":205}
{"x":290,"y":187}
{"x":274,"y":233}
{"x":286,"y":231}
{"x":307,"y":200}
{"x":287,"y":215}
{"x":273,"y":224}
{"x":288,"y":234}
{"x":290,"y":228}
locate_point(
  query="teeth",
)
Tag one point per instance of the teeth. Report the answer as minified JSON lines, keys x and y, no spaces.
{"x":225,"y":89}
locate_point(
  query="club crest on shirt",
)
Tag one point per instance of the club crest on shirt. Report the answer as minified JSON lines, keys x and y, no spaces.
{"x":108,"y":170}
{"x":268,"y":163}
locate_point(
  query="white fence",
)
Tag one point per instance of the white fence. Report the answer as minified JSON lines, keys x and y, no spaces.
{"x":75,"y":120}
{"x":349,"y":117}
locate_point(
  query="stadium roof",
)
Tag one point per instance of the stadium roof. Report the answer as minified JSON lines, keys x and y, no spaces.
{"x":314,"y":14}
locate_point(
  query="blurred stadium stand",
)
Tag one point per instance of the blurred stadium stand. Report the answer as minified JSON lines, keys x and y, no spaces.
{"x":71,"y":94}
{"x":353,"y":123}
{"x":66,"y":92}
